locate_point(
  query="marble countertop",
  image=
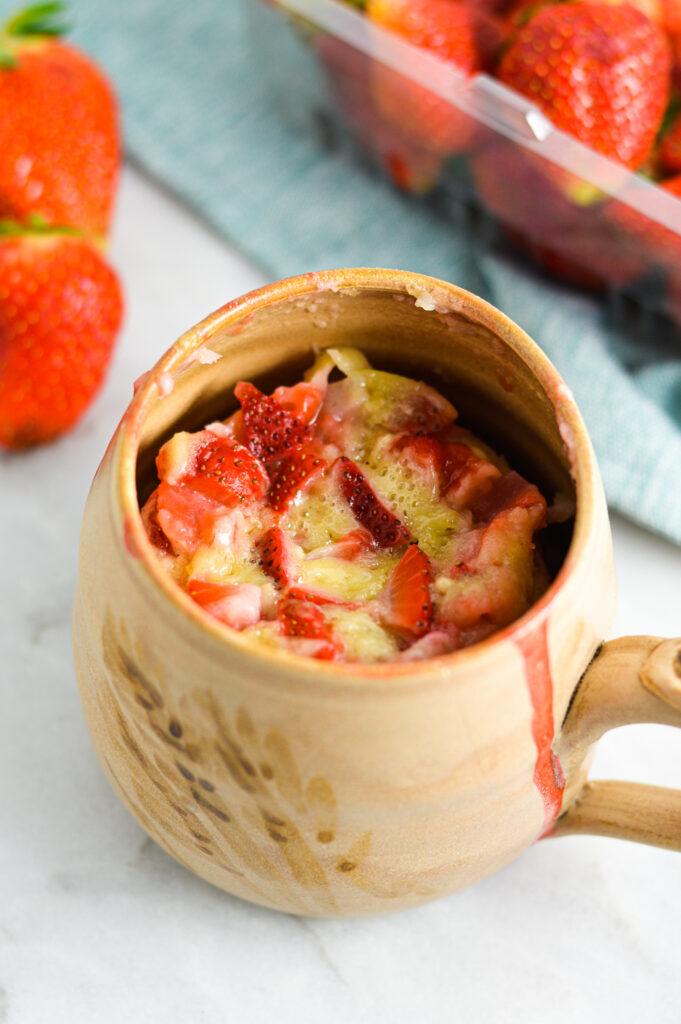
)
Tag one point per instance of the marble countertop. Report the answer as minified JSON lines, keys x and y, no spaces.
{"x":96,"y":922}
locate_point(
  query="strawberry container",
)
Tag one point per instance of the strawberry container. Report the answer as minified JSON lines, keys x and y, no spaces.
{"x":476,"y":149}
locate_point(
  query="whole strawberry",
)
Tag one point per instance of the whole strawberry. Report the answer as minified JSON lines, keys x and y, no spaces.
{"x":59,"y":139}
{"x":60,"y":310}
{"x":599,"y":72}
{"x":460,"y":34}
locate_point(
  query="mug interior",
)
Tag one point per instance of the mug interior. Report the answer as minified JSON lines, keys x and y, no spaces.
{"x":505,"y":389}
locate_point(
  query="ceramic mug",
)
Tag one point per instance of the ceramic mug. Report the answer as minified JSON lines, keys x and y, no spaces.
{"x":325,"y":788}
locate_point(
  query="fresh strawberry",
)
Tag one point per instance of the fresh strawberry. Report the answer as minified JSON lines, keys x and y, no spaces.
{"x":275,"y":550}
{"x":652,"y":9}
{"x":59,"y":139}
{"x":599,"y":71}
{"x":60,"y":311}
{"x":349,"y":75}
{"x":461,"y":35}
{"x":270,"y":427}
{"x":659,"y":245}
{"x":290,"y":473}
{"x":575,"y":242}
{"x":405,"y":602}
{"x":385,"y":528}
{"x":237,"y":604}
{"x":670,"y":17}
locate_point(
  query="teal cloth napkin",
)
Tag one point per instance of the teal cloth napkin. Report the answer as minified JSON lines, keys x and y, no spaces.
{"x":198,"y":116}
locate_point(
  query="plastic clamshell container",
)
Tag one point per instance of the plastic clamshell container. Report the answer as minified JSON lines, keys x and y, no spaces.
{"x":582,"y":217}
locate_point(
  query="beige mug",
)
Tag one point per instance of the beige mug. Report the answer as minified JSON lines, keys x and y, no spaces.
{"x":341,"y":789}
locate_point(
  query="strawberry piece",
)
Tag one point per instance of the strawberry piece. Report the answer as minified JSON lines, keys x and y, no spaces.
{"x":59,"y":136}
{"x":350,"y":546}
{"x":305,"y":620}
{"x":510,"y":491}
{"x":302,"y":618}
{"x":599,"y":71}
{"x":290,"y":473}
{"x":275,"y":550}
{"x":149,"y":514}
{"x":432,"y":645}
{"x":405,"y":602}
{"x":226,"y":472}
{"x":302,"y":400}
{"x":237,"y":604}
{"x":318,"y":597}
{"x":349,"y":73}
{"x":457,"y":33}
{"x":186,"y":517}
{"x":270,"y":429}
{"x":456,"y":472}
{"x":384,"y":527}
{"x":60,"y":311}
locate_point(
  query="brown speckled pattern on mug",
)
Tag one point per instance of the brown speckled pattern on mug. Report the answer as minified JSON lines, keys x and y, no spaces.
{"x":201,"y":778}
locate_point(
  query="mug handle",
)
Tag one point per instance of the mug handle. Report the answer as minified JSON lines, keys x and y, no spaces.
{"x":632,"y":679}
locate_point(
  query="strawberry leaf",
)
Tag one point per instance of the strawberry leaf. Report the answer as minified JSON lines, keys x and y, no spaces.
{"x":38,"y":20}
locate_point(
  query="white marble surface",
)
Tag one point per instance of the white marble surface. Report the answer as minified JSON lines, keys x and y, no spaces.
{"x":97,"y":923}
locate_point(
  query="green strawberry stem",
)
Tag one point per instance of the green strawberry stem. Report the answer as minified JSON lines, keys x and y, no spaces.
{"x":38,"y":20}
{"x":35,"y":22}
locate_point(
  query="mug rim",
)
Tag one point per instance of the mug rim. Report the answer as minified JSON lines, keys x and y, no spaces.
{"x":152,"y":386}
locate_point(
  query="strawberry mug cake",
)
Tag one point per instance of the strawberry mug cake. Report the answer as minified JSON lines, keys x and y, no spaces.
{"x":348,"y":519}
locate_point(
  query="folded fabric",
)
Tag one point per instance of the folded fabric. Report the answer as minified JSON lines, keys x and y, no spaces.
{"x":199,"y":116}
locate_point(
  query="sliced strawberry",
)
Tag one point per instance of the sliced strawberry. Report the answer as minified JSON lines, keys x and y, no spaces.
{"x":213,"y":464}
{"x":385,"y":528}
{"x":149,"y":515}
{"x":318,"y":597}
{"x":302,"y":618}
{"x":321,"y":649}
{"x":405,"y":602}
{"x":453,"y":469}
{"x":350,"y":546}
{"x":432,"y":645}
{"x":302,"y":400}
{"x":425,"y":412}
{"x":275,"y":549}
{"x":227,"y":472}
{"x":508,"y":492}
{"x":290,"y":473}
{"x":271,"y":428}
{"x":238,"y":605}
{"x":305,"y":620}
{"x":186,"y":517}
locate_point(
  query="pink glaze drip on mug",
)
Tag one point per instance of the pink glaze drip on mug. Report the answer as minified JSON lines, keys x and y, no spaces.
{"x":548,"y":774}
